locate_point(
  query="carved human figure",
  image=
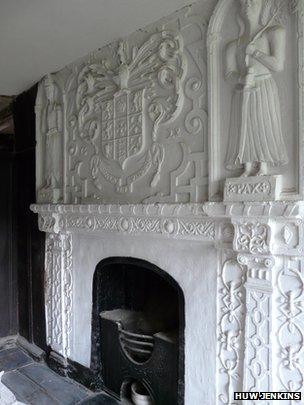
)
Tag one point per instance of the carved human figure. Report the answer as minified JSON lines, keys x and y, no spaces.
{"x":255,"y":135}
{"x":53,"y":122}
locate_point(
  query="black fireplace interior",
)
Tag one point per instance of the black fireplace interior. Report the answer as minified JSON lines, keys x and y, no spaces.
{"x":138,"y":332}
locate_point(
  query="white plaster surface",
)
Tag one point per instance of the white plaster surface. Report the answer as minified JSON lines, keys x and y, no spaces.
{"x":192,"y":265}
{"x":108,"y":188}
{"x":39,"y":36}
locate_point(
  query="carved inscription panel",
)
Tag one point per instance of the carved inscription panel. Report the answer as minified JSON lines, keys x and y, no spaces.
{"x":128,"y":123}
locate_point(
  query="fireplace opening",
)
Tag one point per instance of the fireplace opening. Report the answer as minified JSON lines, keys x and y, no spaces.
{"x":138,"y":332}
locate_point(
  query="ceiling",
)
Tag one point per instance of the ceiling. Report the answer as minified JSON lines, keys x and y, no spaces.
{"x":41,"y":36}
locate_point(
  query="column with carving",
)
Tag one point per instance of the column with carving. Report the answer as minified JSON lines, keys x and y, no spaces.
{"x":290,"y":325}
{"x":58,"y":290}
{"x":252,"y":243}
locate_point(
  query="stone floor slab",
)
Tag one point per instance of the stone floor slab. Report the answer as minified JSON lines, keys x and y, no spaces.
{"x":25,"y":390}
{"x":100,"y":399}
{"x":60,"y":388}
{"x":11,"y":359}
{"x":35,"y":384}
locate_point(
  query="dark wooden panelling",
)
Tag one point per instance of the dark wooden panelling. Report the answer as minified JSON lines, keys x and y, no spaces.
{"x":8,"y":283}
{"x":29,"y":240}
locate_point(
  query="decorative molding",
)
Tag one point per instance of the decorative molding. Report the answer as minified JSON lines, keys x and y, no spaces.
{"x":289,"y":237}
{"x":259,"y":227}
{"x":252,"y":237}
{"x":231,"y":324}
{"x":185,"y":222}
{"x":59,"y":292}
{"x":290,"y":325}
{"x":258,"y":330}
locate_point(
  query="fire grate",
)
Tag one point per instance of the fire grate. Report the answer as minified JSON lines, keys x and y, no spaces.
{"x":137,"y":347}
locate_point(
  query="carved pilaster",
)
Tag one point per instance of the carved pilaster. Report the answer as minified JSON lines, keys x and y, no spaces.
{"x":231,"y":324}
{"x":290,"y":325}
{"x":258,"y":323}
{"x":58,"y":292}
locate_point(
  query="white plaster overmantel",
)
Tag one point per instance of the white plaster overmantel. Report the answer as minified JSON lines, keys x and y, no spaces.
{"x":182,"y":145}
{"x":232,"y":260}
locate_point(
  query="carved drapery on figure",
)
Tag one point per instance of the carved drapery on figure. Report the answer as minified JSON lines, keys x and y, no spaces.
{"x":50,"y":127}
{"x":255,"y":134}
{"x":255,"y":51}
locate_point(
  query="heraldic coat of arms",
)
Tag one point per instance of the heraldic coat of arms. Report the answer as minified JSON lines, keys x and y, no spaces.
{"x":124,"y":93}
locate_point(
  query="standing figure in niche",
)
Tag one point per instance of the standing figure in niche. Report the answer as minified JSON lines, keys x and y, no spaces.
{"x":255,"y":133}
{"x":53,"y":114}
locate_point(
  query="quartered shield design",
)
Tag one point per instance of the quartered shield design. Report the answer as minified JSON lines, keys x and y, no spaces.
{"x":122,"y":125}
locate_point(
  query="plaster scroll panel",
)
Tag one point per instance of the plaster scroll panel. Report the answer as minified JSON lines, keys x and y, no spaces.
{"x":255,"y":53}
{"x":133,"y":120}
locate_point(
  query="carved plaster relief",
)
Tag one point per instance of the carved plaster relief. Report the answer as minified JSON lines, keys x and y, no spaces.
{"x":135,"y":119}
{"x":49,"y":111}
{"x":252,"y":237}
{"x":231,"y":324}
{"x":258,"y":325}
{"x":290,"y":325}
{"x":254,"y":48}
{"x":58,"y":292}
{"x":259,"y":278}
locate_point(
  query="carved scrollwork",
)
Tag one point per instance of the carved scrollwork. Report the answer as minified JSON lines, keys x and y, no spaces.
{"x":123,"y":95}
{"x":252,"y":237}
{"x":231,"y":321}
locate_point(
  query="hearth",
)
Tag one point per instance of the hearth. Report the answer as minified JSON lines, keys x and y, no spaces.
{"x":138,"y":332}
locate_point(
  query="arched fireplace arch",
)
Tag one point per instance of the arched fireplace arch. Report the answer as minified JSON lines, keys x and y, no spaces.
{"x":138,"y":324}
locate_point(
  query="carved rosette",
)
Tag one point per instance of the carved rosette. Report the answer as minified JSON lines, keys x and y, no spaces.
{"x":58,"y":292}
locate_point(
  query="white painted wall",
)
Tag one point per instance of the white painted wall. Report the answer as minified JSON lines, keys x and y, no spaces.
{"x":41,"y":36}
{"x":194,"y":267}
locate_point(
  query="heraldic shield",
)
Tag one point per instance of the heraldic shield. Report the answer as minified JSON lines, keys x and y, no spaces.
{"x":122,"y":126}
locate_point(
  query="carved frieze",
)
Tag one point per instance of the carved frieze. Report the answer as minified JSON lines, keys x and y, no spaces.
{"x":185,"y":222}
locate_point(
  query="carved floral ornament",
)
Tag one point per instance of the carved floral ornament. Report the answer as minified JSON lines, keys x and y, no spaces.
{"x":252,"y":237}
